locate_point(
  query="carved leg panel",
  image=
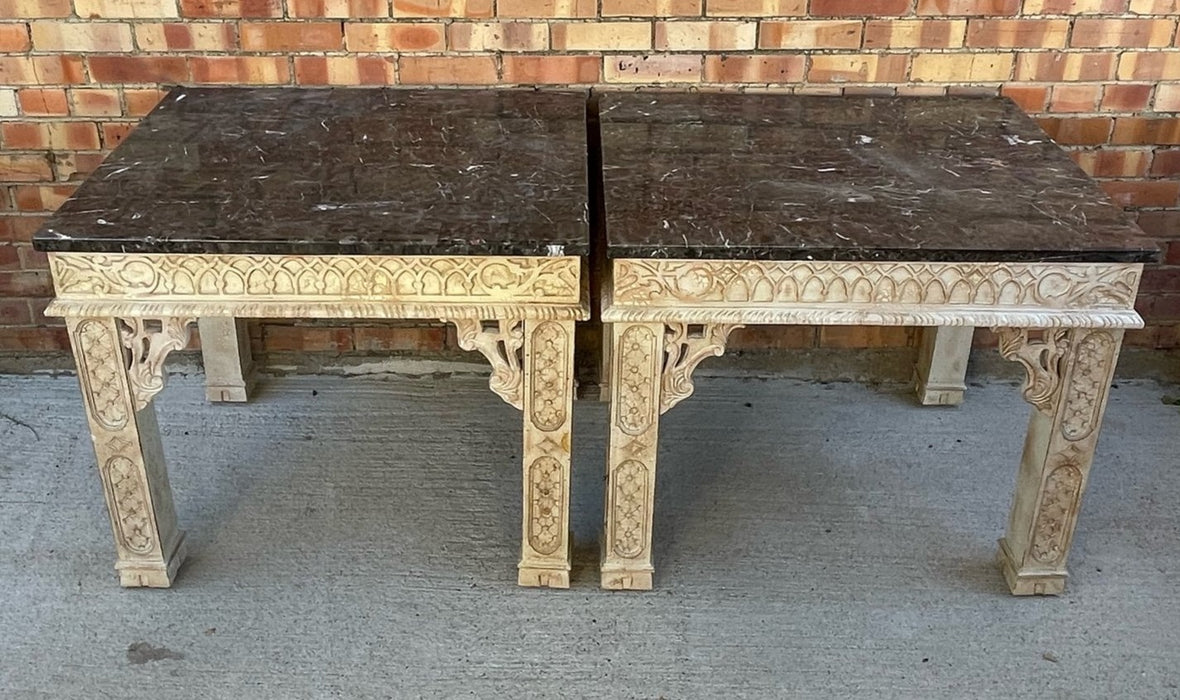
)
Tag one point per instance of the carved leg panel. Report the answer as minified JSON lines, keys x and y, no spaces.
{"x":548,"y":403}
{"x":637,"y":358}
{"x":941,"y":372}
{"x":225,"y":349}
{"x":1069,"y":375}
{"x":119,"y":367}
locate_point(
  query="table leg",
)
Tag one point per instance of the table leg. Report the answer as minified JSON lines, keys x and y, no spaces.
{"x":941,"y":372}
{"x":1069,"y":374}
{"x":225,"y":350}
{"x":149,"y":544}
{"x":637,"y":357}
{"x":548,"y":406}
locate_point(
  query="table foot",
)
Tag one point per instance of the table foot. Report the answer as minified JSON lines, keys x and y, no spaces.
{"x":1069,"y":372}
{"x":143,"y":574}
{"x":117,"y":391}
{"x":543,"y":578}
{"x":225,"y":352}
{"x":1029,"y":583}
{"x":941,"y":370}
{"x":627,"y":579}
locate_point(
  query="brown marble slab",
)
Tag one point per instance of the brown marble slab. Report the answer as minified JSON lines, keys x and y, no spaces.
{"x":848,"y":178}
{"x":340,"y":171}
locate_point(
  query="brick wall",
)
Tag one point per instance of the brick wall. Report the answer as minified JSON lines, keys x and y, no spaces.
{"x":1102,"y":76}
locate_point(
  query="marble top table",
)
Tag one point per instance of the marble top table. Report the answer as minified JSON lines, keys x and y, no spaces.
{"x":465,"y":206}
{"x":723,"y":210}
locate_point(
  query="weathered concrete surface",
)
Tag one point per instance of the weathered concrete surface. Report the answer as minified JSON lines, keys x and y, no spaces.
{"x":356,"y":537}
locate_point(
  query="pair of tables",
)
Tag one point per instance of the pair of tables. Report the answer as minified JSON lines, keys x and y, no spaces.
{"x":492,"y":209}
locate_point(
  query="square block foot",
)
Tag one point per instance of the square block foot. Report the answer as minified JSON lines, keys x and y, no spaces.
{"x":934,"y":396}
{"x":239,"y":393}
{"x":543,"y":578}
{"x":133,"y":574}
{"x":627,"y":580}
{"x":1027,"y":584}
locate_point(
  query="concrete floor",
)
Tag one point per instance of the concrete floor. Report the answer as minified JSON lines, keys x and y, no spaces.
{"x":357,"y":537}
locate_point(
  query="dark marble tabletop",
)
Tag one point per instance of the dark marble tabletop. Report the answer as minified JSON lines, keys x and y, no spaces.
{"x":340,"y":171}
{"x":848,"y":178}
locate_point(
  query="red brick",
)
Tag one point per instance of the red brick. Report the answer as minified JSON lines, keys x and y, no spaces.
{"x":651,"y":8}
{"x":443,"y":8}
{"x":24,"y":136}
{"x":394,"y":36}
{"x":291,"y":36}
{"x":858,"y":8}
{"x":397,"y":339}
{"x":858,"y":68}
{"x":35,"y":198}
{"x":138,"y":69}
{"x":19,"y":229}
{"x":1131,"y":130}
{"x":1149,"y":65}
{"x":772,"y":338}
{"x":338,"y":8}
{"x":652,"y":68}
{"x":1150,"y":193}
{"x":1075,"y":98}
{"x":34,"y":338}
{"x":73,"y":136}
{"x":186,"y":36}
{"x":1109,"y":163}
{"x":447,"y":70}
{"x":241,"y":69}
{"x":14,"y":312}
{"x":1161,"y":224}
{"x":9,"y":257}
{"x":914,"y":33}
{"x":282,"y":338}
{"x":113,"y":133}
{"x":41,"y":70}
{"x":140,"y":102}
{"x":231,"y":8}
{"x":1125,"y":98}
{"x":826,"y":34}
{"x":32,"y":259}
{"x":1017,"y":33}
{"x":96,"y":103}
{"x":1030,"y":98}
{"x":968,"y":7}
{"x":558,"y":70}
{"x":865,"y":336}
{"x":1088,"y":131}
{"x":1056,"y":66}
{"x":755,"y":69}
{"x":25,"y":168}
{"x":35,"y":9}
{"x":25,"y":283}
{"x":43,"y":102}
{"x":345,"y":70}
{"x":1166,"y":163}
{"x":14,"y":38}
{"x":75,"y":166}
{"x":1122,"y":33}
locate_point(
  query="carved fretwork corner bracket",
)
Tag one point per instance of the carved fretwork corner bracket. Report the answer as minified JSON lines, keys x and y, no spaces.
{"x":685,"y":345}
{"x":148,"y":341}
{"x":1041,"y":357}
{"x":500,"y":342}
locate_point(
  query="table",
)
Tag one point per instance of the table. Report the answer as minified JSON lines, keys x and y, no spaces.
{"x":948,"y":212}
{"x":465,"y":206}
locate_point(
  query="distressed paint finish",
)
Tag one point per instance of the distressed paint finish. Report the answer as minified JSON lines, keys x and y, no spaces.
{"x":1062,"y":436}
{"x":149,"y":546}
{"x":548,"y":422}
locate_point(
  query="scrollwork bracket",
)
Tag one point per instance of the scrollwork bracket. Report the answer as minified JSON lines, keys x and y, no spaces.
{"x":500,"y":342}
{"x":149,"y":340}
{"x":1041,"y":358}
{"x":685,"y":346}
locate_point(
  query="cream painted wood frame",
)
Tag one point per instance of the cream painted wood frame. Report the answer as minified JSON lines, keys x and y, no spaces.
{"x":126,"y":312}
{"x":1063,"y":322}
